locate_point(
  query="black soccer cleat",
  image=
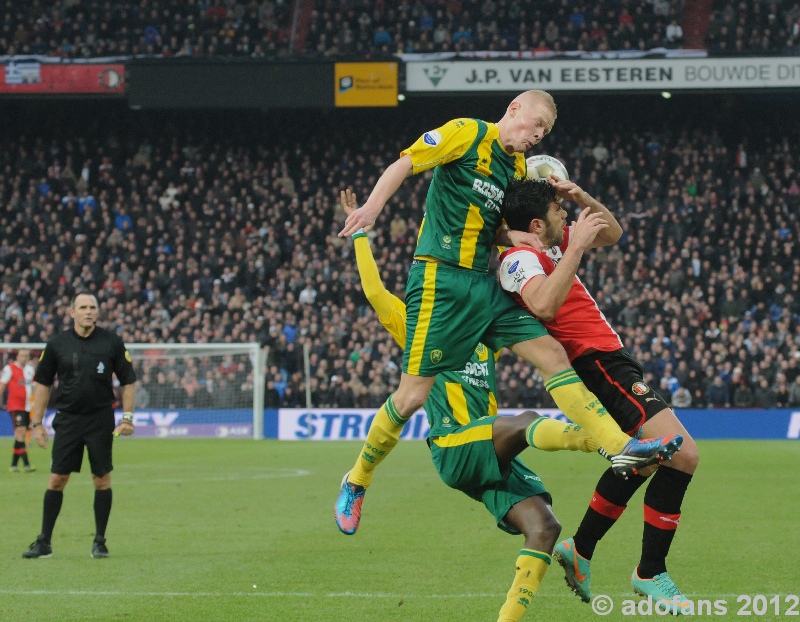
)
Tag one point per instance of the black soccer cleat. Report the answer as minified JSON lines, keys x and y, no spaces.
{"x":40,"y":549}
{"x":99,"y":548}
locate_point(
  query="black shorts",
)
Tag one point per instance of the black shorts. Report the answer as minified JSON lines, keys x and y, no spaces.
{"x":20,"y":418}
{"x":73,"y":433}
{"x":617,"y":379}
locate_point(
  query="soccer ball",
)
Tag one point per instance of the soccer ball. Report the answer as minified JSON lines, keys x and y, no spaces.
{"x":540,"y":166}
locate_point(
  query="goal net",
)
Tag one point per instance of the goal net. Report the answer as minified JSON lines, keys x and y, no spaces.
{"x":184,"y":390}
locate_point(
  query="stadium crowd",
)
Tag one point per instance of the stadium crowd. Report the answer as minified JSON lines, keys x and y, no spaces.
{"x":215,"y":229}
{"x":94,"y":29}
{"x":350,"y":27}
{"x":337,"y":28}
{"x":738,"y":28}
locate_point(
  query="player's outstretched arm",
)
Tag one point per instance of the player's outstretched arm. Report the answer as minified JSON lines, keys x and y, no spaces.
{"x":388,"y":183}
{"x":386,"y":304}
{"x":570,"y":190}
{"x":510,"y":237}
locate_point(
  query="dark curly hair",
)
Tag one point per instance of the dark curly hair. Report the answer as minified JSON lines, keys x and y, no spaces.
{"x":526,"y":199}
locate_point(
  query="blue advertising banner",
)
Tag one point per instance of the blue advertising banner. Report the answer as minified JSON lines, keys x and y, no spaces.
{"x":294,"y":424}
{"x":186,"y":423}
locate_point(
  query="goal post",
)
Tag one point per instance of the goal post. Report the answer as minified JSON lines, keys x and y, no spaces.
{"x":184,"y":390}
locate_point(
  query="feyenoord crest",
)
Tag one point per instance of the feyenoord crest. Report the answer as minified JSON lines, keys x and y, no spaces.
{"x":639,"y":388}
{"x":436,"y":356}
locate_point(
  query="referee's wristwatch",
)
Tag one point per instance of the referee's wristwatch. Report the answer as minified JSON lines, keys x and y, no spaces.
{"x":128,"y":417}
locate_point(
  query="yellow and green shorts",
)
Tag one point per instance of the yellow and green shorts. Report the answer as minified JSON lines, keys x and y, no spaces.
{"x":466,"y":461}
{"x":449,"y":310}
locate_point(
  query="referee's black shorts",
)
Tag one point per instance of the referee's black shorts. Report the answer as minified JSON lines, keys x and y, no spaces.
{"x":617,"y":379}
{"x":74,"y":432}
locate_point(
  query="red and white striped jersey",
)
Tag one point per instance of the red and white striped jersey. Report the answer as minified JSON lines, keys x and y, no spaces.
{"x":19,"y":383}
{"x":579,"y":324}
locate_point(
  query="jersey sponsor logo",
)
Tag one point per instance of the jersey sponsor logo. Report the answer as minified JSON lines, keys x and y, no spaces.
{"x":476,"y":382}
{"x":432,"y":138}
{"x":436,"y":356}
{"x":513,"y":267}
{"x":533,"y":477}
{"x":100,"y":367}
{"x":476,"y":369}
{"x":489,"y":190}
{"x":639,"y":388}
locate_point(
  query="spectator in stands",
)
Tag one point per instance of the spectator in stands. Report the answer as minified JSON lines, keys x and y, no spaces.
{"x":681,"y":398}
{"x":159,"y":391}
{"x":272,"y":398}
{"x":764,"y":396}
{"x":794,"y":393}
{"x":781,"y":390}
{"x":717,"y":393}
{"x":674,"y":34}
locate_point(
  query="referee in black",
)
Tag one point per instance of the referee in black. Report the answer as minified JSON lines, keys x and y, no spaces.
{"x":83,"y":358}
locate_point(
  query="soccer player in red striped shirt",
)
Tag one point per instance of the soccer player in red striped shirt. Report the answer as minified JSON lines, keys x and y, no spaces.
{"x":17,"y":376}
{"x":608,"y":370}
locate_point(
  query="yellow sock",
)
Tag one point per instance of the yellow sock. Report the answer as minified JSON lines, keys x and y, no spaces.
{"x":583,"y":407}
{"x":553,"y":435}
{"x":382,"y":437}
{"x":531,"y":566}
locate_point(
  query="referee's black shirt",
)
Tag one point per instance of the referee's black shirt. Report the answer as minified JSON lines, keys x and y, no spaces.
{"x":84,"y":366}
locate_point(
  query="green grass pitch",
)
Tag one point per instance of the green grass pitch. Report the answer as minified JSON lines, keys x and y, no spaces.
{"x":238,"y":530}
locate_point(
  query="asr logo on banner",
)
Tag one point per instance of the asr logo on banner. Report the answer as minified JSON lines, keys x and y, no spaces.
{"x":366,"y":84}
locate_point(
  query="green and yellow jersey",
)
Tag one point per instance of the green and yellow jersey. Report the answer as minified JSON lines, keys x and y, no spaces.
{"x":456,"y":397}
{"x":471,"y":173}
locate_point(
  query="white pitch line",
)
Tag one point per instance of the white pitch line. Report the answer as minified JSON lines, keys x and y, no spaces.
{"x":227,"y":478}
{"x":367,"y":595}
{"x":195,"y":478}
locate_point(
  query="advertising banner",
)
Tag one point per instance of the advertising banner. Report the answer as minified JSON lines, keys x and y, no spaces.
{"x":187,"y":423}
{"x":661,"y":74}
{"x":352,"y":424}
{"x":339,"y":424}
{"x":28,"y":77}
{"x":366,"y":84}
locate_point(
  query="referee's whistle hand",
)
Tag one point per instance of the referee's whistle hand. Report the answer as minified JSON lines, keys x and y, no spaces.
{"x":40,"y":435}
{"x":124,"y":429}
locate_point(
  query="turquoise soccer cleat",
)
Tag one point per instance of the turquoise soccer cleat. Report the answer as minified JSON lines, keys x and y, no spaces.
{"x":577,"y":570}
{"x":661,"y":588}
{"x":347,"y":510}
